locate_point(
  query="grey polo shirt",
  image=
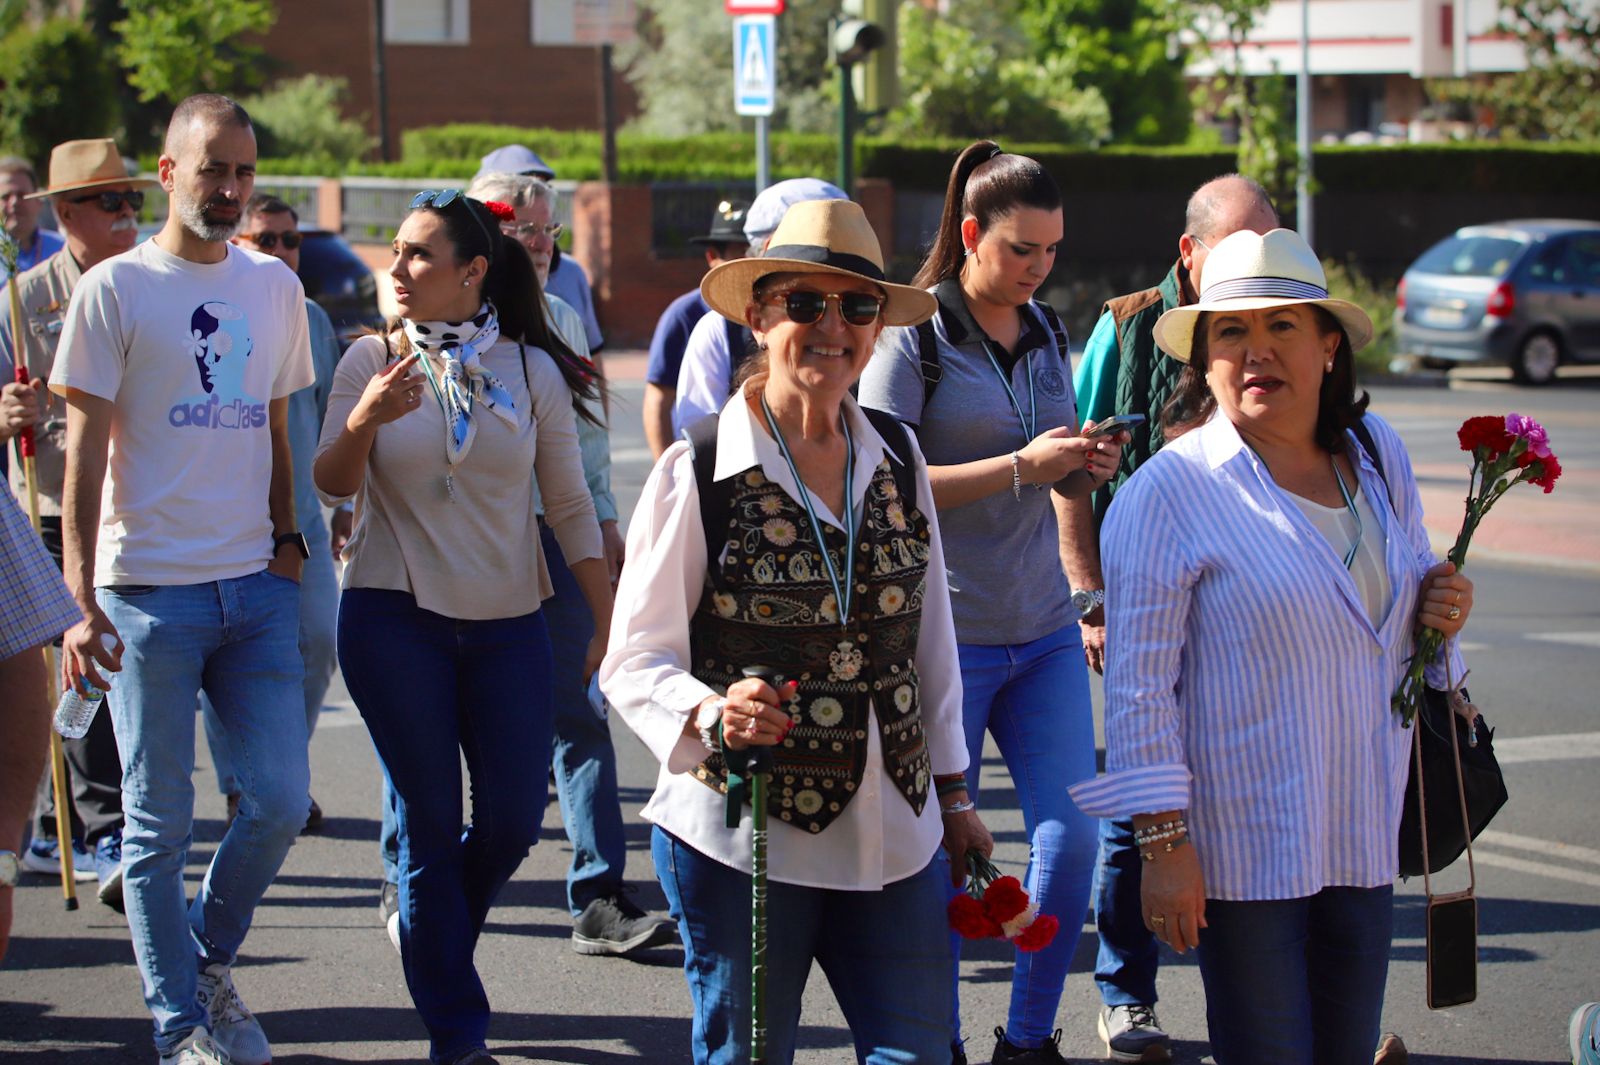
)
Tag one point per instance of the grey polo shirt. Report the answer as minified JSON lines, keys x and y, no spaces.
{"x":1006,"y":581}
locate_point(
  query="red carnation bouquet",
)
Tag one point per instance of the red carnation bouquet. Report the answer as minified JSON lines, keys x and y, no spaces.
{"x":1505,"y":452}
{"x":996,"y":907}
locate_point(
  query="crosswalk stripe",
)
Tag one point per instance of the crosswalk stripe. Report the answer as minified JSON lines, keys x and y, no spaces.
{"x":1522,"y":865}
{"x":1570,"y":851}
{"x":1554,"y":748}
{"x":1576,"y":639}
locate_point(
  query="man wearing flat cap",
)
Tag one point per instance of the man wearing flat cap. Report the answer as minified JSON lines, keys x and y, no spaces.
{"x":95,"y":201}
{"x":725,"y":242}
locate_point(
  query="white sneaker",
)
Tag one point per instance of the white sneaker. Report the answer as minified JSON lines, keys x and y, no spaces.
{"x":1132,"y":1033}
{"x":198,"y":1049}
{"x":233,"y":1027}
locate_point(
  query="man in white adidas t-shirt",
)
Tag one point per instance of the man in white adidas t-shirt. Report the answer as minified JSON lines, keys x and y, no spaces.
{"x":181,"y":546}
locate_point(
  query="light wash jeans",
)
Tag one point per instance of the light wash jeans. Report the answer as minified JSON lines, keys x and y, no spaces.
{"x":237,"y":640}
{"x":319,"y":610}
{"x":1034,"y":698}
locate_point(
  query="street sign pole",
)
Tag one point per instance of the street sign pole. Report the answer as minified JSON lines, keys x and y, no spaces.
{"x":763,"y":155}
{"x":755,"y":81}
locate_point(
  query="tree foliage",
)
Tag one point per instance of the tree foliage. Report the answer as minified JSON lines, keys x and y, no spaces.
{"x":57,"y":86}
{"x":972,"y":73}
{"x":175,"y":48}
{"x":1128,"y":50}
{"x":304,"y":117}
{"x":1260,"y":106}
{"x":1557,"y":97}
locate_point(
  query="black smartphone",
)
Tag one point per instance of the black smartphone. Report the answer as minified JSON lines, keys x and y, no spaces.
{"x":1117,"y":423}
{"x":1452,"y":951}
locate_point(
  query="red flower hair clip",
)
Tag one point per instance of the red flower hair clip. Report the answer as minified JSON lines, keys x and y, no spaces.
{"x":503,"y":211}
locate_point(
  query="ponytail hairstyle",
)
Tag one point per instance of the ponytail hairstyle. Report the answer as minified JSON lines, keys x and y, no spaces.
{"x":988,"y":184}
{"x":473,"y":229}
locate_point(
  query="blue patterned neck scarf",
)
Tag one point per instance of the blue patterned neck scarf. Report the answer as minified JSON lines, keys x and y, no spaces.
{"x":460,"y":381}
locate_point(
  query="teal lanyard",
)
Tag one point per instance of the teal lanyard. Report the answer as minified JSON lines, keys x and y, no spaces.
{"x":841,"y":583}
{"x":438,"y":389}
{"x":1350,"y":505}
{"x":1030,"y":424}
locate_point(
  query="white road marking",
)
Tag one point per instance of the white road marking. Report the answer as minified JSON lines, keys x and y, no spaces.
{"x":1544,"y":869}
{"x":1570,"y":851}
{"x":1576,"y":639}
{"x":1558,"y":748}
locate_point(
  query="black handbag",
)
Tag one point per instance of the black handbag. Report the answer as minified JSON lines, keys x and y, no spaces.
{"x":1451,"y":813}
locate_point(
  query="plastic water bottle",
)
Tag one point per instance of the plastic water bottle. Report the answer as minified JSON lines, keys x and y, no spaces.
{"x":75,"y":712}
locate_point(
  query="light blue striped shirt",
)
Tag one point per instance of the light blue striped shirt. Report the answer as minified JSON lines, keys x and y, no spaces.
{"x":1245,"y":682}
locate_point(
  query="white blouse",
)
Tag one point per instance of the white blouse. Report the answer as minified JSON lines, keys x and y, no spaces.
{"x":878,"y":839}
{"x":1339,"y":528}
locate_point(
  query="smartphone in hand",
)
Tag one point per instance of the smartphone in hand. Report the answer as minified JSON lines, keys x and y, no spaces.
{"x":1118,"y":423}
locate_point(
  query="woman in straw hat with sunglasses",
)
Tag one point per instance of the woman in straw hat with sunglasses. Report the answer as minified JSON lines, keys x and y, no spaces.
{"x":796,"y":532}
{"x":439,"y":426}
{"x":1265,"y":572}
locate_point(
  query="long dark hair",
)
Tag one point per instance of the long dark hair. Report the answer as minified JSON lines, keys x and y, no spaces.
{"x":1338,"y":406}
{"x":988,"y":184}
{"x":512,"y":286}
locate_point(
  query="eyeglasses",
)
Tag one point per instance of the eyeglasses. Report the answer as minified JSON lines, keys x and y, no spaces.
{"x":805,"y":307}
{"x":440,"y":198}
{"x":526,"y":231}
{"x":268,"y":241}
{"x":1200,"y":242}
{"x":111,"y":202}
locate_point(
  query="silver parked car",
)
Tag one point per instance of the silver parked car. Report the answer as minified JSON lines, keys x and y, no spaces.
{"x":1523,"y":293}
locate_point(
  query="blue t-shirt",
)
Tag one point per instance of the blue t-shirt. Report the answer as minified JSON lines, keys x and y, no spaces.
{"x":672,"y":336}
{"x":568,"y":281}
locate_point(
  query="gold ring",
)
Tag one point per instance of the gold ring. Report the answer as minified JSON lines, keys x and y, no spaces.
{"x":1157,"y":918}
{"x":1454,"y":613}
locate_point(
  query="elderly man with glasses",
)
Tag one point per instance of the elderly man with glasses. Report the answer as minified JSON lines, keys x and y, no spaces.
{"x":95,"y":201}
{"x":20,"y":207}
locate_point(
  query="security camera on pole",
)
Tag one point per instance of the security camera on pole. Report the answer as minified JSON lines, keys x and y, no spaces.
{"x":755,"y":70}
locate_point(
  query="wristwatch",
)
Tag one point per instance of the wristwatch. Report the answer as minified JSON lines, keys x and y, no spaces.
{"x":708,"y":720}
{"x":1088,"y":600}
{"x":8,"y":869}
{"x":295,"y":538}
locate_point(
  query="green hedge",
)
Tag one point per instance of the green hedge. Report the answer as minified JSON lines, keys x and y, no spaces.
{"x":1529,"y":169}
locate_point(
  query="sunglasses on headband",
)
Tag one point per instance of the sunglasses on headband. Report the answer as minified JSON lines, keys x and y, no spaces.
{"x":805,"y":307}
{"x":111,"y":202}
{"x":442,"y":198}
{"x":268,"y":241}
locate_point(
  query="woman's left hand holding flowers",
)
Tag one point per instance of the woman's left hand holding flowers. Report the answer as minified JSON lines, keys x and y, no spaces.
{"x":1446,"y":600}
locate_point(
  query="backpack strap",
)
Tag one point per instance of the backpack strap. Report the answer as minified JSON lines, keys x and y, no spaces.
{"x":1370,"y":446}
{"x":740,"y":341}
{"x":928,"y":354}
{"x":1057,"y":330}
{"x":894,"y":434}
{"x":716,"y":497}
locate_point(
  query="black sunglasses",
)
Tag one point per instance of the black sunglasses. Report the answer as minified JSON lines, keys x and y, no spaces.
{"x":268,"y":241}
{"x":442,"y":198}
{"x":111,"y":202}
{"x":805,"y":307}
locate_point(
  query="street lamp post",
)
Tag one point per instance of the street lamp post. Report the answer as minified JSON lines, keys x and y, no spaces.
{"x":1302,"y":207}
{"x":853,"y":39}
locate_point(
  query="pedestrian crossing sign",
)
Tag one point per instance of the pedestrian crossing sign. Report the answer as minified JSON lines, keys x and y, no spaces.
{"x":755,"y":66}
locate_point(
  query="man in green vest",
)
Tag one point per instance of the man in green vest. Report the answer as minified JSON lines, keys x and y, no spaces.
{"x":1123,"y":372}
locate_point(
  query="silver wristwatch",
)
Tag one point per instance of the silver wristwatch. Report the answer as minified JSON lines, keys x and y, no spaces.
{"x":708,"y":720}
{"x":8,"y":869}
{"x":1088,"y":600}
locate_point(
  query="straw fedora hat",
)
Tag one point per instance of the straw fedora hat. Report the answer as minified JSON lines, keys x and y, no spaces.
{"x":817,"y":237}
{"x":90,"y":164}
{"x":1249,"y":271}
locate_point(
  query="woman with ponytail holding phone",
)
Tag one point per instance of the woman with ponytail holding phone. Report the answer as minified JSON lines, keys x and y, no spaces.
{"x":439,"y":426}
{"x":988,"y":388}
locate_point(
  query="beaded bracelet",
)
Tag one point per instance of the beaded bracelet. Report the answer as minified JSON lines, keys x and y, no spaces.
{"x":1150,"y":833}
{"x":1161,"y":836}
{"x":1016,"y":478}
{"x":959,"y":807}
{"x":1166,"y":848}
{"x":950,"y":787}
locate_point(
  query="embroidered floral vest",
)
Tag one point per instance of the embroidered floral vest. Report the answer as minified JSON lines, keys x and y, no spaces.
{"x":778,"y":609}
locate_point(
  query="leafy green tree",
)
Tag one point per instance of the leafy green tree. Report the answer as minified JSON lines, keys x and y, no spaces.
{"x":1557,"y":97}
{"x":57,"y":86}
{"x":175,"y":48}
{"x":1127,"y":50}
{"x":305,"y":117}
{"x":1260,"y":106}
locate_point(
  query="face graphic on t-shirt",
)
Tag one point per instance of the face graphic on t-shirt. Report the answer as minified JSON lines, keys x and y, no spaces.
{"x":220,"y":344}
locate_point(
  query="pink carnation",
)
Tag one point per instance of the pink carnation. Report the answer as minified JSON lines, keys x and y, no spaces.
{"x":1531,"y":431}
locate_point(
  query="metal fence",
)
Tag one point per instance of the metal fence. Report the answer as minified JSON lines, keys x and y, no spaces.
{"x":373,"y":207}
{"x":301,"y":193}
{"x":680,"y":210}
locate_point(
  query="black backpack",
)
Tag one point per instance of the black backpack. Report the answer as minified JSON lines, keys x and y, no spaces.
{"x":741,"y":345}
{"x":928,"y":349}
{"x":716,"y":497}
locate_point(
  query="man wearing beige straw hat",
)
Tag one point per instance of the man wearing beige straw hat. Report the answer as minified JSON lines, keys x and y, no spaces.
{"x":95,"y":200}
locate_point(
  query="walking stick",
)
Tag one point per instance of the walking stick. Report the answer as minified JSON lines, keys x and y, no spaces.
{"x":758,"y":764}
{"x":25,"y":453}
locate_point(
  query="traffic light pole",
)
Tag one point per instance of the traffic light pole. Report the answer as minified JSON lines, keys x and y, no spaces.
{"x":847,"y":129}
{"x":763,"y":155}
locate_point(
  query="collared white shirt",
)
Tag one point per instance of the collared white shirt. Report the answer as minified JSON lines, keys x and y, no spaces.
{"x":877,"y":840}
{"x":704,"y":377}
{"x":1245,"y":681}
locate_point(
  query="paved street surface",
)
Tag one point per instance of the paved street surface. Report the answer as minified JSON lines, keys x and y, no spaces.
{"x":319,"y":970}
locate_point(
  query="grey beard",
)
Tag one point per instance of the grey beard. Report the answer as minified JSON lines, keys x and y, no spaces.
{"x":194,"y":220}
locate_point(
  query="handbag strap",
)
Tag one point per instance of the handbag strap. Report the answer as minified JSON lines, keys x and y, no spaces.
{"x":1452,"y":693}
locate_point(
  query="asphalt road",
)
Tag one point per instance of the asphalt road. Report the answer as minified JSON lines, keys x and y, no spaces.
{"x":319,"y":970}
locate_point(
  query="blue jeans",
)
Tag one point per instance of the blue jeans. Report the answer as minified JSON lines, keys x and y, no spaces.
{"x":237,"y":640}
{"x":1034,"y":699}
{"x":884,"y":954}
{"x":1125,"y":968}
{"x":319,"y":606}
{"x":1297,"y":979}
{"x":432,"y":689}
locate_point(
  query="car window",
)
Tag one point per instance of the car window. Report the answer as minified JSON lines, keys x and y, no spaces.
{"x":1586,"y":260}
{"x":1550,"y":264}
{"x":1476,"y":256}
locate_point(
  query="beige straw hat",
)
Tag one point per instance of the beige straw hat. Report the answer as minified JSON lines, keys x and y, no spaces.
{"x":1249,"y":271}
{"x":90,"y":164}
{"x":817,"y":237}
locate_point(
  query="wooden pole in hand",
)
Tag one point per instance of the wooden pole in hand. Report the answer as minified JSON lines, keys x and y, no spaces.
{"x":58,"y":761}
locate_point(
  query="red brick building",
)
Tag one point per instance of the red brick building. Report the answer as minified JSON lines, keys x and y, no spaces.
{"x":460,"y":60}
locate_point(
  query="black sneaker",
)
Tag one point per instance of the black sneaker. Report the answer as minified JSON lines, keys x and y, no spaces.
{"x":389,"y":907}
{"x":958,"y":1053}
{"x":1046,"y":1053}
{"x":614,"y":925}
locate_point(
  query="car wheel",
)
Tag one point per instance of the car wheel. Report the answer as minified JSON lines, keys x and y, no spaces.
{"x":1537,"y":358}
{"x":1430,"y":363}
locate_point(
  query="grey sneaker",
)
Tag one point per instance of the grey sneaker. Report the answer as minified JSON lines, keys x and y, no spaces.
{"x":233,"y":1027}
{"x":389,"y":907}
{"x":198,"y":1049}
{"x":614,"y":925}
{"x":1132,"y":1033}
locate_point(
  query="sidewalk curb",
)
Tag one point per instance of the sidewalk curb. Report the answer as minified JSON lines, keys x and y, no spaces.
{"x":1443,"y":541}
